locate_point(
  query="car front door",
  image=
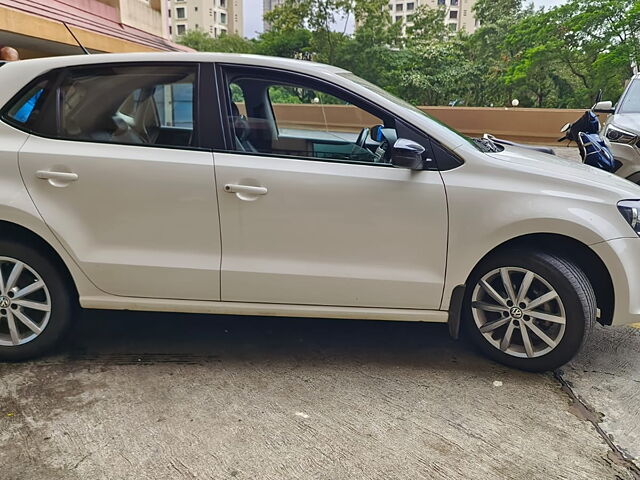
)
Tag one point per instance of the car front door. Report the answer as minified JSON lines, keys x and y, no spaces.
{"x":116,"y":173}
{"x":310,"y":213}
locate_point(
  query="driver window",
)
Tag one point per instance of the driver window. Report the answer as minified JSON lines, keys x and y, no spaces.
{"x":302,"y":122}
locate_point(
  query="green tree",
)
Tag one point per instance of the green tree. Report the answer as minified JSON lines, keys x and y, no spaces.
{"x":203,"y":42}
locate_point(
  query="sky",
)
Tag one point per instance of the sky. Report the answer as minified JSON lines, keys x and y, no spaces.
{"x":253,"y":14}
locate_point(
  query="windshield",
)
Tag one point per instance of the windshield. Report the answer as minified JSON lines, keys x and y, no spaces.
{"x":631,"y":100}
{"x":402,"y":103}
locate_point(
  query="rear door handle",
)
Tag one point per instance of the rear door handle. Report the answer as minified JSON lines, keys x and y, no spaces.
{"x":246,"y":189}
{"x":59,"y":176}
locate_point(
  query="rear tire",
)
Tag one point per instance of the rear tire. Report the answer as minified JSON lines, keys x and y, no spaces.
{"x":537,"y":324}
{"x":36,"y":305}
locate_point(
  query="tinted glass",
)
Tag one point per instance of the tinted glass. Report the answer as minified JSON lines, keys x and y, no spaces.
{"x":140,"y":105}
{"x":301,"y":121}
{"x":25,"y":109}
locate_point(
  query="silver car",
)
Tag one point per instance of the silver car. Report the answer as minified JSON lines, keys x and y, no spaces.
{"x":622,"y":130}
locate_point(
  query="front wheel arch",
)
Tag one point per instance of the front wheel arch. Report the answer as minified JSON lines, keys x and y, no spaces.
{"x":575,"y":251}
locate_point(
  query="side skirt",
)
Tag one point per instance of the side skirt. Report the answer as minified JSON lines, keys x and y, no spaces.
{"x":262,"y":309}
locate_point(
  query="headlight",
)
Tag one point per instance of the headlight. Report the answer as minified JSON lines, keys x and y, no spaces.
{"x":620,"y":136}
{"x":630,"y":210}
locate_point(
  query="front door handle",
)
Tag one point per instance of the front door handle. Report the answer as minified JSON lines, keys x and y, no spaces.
{"x":246,"y":189}
{"x":57,"y":176}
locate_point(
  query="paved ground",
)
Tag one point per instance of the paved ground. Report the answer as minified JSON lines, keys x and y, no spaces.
{"x":165,"y":396}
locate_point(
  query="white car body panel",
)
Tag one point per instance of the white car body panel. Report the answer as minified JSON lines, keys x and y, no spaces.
{"x":499,"y":197}
{"x":489,"y":200}
{"x":140,"y":222}
{"x":329,"y":233}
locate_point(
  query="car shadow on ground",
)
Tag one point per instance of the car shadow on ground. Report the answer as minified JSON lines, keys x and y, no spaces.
{"x":145,"y":337}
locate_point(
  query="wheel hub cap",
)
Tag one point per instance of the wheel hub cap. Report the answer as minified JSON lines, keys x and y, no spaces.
{"x":5,"y":302}
{"x":516,"y":313}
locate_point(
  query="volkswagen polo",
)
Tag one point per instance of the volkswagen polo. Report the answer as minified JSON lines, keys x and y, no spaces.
{"x":247,"y":185}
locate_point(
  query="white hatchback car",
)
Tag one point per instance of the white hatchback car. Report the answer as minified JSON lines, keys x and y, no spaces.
{"x":247,"y":185}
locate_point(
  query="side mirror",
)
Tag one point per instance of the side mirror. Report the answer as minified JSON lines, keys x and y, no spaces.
{"x":603,"y":107}
{"x":407,"y":154}
{"x":376,"y":133}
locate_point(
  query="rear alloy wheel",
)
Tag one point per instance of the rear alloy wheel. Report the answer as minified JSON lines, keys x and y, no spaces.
{"x":25,"y":303}
{"x":530,"y":310}
{"x":35,"y":305}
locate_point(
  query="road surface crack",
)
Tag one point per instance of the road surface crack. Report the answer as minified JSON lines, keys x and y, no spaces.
{"x":587,"y":413}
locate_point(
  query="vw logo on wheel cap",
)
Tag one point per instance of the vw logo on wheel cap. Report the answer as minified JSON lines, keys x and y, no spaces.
{"x":516,"y":313}
{"x":5,"y":302}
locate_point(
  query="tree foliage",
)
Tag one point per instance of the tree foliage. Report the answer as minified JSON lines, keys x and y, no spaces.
{"x":545,"y":58}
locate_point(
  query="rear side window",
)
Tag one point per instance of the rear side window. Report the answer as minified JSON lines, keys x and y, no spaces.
{"x":25,"y":109}
{"x":138,"y":105}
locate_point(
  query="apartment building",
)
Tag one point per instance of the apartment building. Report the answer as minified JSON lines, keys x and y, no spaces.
{"x":267,"y":6}
{"x":36,"y":27}
{"x":459,"y":13}
{"x":215,"y":17}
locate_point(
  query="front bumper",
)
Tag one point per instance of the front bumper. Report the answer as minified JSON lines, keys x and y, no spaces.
{"x":622,"y":258}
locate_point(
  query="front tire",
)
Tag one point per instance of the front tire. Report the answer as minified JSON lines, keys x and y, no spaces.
{"x":36,"y":306}
{"x":528,"y":309}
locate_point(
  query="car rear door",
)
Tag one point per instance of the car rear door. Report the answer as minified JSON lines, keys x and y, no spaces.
{"x":117,"y":173}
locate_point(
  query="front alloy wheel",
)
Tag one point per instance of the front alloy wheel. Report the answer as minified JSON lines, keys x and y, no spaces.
{"x":528,"y":309}
{"x":518,"y":312}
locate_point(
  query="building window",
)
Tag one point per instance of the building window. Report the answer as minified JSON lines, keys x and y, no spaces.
{"x":399,"y":18}
{"x":453,"y":27}
{"x":223,"y":31}
{"x":454,"y":3}
{"x":410,"y":6}
{"x":453,"y":14}
{"x":196,"y":26}
{"x":223,"y":3}
{"x":399,"y":7}
{"x":390,"y":7}
{"x":223,"y":18}
{"x":169,"y":13}
{"x":441,"y":2}
{"x":180,"y":12}
{"x":170,"y":30}
{"x":195,"y":9}
{"x":181,"y":29}
{"x":410,"y":18}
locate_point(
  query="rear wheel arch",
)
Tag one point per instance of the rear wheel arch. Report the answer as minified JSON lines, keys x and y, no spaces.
{"x":15,"y":232}
{"x":575,"y":251}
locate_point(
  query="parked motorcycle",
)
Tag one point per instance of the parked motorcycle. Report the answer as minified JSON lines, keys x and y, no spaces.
{"x":586,"y":133}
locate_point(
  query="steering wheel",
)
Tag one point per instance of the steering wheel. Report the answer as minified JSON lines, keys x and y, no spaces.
{"x":362,"y":137}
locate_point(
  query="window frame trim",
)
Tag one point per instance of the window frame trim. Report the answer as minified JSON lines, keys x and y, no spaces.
{"x":223,"y":69}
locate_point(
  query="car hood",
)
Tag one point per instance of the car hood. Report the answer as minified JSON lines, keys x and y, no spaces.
{"x":571,"y":171}
{"x":627,"y":121}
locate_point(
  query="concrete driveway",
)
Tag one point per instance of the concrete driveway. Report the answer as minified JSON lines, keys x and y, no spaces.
{"x":165,"y":396}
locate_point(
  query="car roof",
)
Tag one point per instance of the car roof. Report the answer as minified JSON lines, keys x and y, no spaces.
{"x":237,"y":58}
